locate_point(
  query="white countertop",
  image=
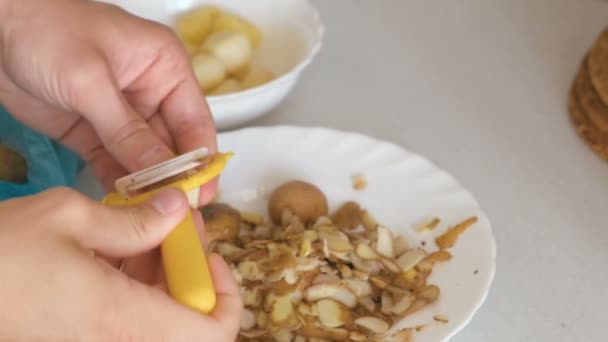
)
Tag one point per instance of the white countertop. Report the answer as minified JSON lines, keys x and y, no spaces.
{"x":480,"y":87}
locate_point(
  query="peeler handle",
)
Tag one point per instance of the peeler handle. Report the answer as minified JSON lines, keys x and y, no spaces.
{"x":185,"y":263}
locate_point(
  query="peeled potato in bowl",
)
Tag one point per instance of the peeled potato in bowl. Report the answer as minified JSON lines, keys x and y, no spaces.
{"x":232,"y":22}
{"x":285,"y":36}
{"x":254,"y":75}
{"x":229,"y":86}
{"x":209,"y":70}
{"x":232,"y":48}
{"x":209,"y":31}
{"x":194,"y":25}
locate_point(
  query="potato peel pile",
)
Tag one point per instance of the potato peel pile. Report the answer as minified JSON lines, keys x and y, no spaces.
{"x":343,"y":277}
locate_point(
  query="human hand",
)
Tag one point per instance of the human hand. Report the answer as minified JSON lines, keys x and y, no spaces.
{"x":55,"y":288}
{"x":117,"y":89}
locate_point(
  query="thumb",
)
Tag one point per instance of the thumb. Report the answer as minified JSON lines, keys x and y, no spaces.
{"x":126,"y":231}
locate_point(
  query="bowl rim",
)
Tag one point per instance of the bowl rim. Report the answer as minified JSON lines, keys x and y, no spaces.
{"x":294,"y":71}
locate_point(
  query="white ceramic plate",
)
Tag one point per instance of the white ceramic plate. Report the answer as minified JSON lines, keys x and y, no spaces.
{"x":403,"y":188}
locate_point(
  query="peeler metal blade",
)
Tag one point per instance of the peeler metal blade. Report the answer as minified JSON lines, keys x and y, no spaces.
{"x":157,"y":173}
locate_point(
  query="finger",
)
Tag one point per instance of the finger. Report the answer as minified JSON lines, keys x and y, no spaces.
{"x":188,"y":116}
{"x":157,"y":123}
{"x":124,"y":133}
{"x":197,"y":217}
{"x":169,"y":86}
{"x":128,"y":231}
{"x":82,"y":138}
{"x":227,"y":311}
{"x":148,"y":314}
{"x":145,"y":268}
{"x":208,"y":192}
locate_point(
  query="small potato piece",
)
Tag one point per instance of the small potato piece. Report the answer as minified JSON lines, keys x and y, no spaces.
{"x":233,"y":49}
{"x":235,"y":23}
{"x":13,"y":167}
{"x":304,"y":200}
{"x":227,"y":87}
{"x":333,"y":314}
{"x":331,"y":334}
{"x":255,"y":75}
{"x":222,"y":222}
{"x":384,"y":244}
{"x":248,"y":320}
{"x":209,"y":70}
{"x":449,"y":238}
{"x":429,"y":293}
{"x":194,"y":25}
{"x":282,"y":309}
{"x":369,"y":221}
{"x":349,"y":215}
{"x":439,"y":256}
{"x":359,"y":182}
{"x":373,"y":324}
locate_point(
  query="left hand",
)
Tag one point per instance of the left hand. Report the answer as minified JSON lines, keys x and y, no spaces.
{"x":117,"y":89}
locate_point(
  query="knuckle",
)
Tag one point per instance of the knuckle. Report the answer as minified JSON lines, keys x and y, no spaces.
{"x":82,"y":77}
{"x":64,"y":197}
{"x":128,"y":130}
{"x":62,"y":201}
{"x":137,"y":223}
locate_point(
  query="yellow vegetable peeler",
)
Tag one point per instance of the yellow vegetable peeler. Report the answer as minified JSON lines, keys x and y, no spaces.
{"x":184,"y":260}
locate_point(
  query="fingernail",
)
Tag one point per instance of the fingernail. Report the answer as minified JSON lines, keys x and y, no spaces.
{"x":168,"y":201}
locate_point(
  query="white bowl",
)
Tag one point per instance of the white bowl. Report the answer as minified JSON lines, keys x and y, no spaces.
{"x":293,"y":34}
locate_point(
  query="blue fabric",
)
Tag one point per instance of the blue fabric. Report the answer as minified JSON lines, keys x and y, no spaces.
{"x":49,"y":163}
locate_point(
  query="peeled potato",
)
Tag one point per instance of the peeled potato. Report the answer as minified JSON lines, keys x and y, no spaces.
{"x":230,"y":85}
{"x":232,"y":48}
{"x":254,"y":76}
{"x":194,"y":26}
{"x":232,"y":22}
{"x":210,"y":71}
{"x":304,"y":200}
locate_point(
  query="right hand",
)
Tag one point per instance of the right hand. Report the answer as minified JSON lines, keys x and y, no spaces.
{"x":54,"y":287}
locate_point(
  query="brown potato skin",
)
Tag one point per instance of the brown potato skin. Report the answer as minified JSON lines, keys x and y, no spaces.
{"x":13,"y":167}
{"x":222,"y":222}
{"x":303,"y":199}
{"x":349,"y":215}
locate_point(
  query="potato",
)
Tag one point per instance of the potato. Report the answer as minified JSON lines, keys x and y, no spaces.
{"x":304,"y":200}
{"x":13,"y":167}
{"x":255,"y":75}
{"x":230,"y":85}
{"x":232,"y":48}
{"x":222,"y":222}
{"x":235,"y":23}
{"x":210,"y":71}
{"x":195,"y":25}
{"x":349,"y":215}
